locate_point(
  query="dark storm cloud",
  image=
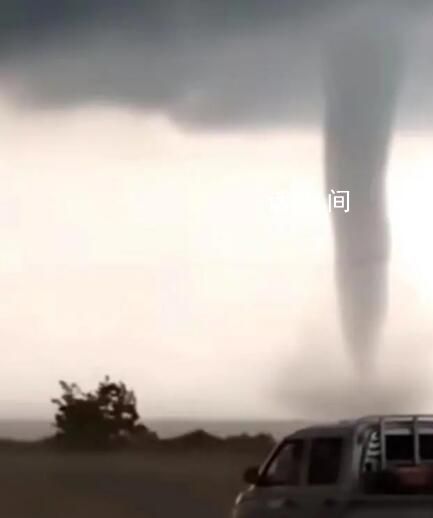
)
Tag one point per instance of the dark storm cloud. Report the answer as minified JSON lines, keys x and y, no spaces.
{"x":202,"y":62}
{"x":22,"y":20}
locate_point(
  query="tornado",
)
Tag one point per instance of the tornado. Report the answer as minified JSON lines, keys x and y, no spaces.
{"x":364,"y":70}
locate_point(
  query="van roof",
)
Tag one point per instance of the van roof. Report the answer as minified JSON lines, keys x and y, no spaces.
{"x":323,"y":429}
{"x":348,"y":425}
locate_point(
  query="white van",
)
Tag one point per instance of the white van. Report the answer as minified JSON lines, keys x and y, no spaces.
{"x":373,"y":466}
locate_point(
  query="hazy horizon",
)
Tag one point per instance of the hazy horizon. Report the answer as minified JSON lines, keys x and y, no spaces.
{"x":34,"y":429}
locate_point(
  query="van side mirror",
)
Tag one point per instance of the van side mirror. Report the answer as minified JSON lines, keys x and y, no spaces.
{"x":251,"y":475}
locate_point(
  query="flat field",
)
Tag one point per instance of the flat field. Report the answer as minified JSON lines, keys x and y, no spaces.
{"x":40,"y":484}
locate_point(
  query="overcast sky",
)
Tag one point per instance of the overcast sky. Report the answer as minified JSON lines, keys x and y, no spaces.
{"x":163,"y":217}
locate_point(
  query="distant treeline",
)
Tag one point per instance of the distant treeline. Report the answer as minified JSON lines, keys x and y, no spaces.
{"x":107,"y":419}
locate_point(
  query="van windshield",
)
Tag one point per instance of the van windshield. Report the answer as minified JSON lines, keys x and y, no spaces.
{"x":285,"y":467}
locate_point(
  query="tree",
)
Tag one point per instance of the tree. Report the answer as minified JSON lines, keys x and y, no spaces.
{"x":100,"y":419}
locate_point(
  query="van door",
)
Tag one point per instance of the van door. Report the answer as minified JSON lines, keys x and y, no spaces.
{"x":324,"y":468}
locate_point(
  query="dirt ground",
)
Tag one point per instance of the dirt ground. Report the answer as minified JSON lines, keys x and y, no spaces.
{"x":126,"y":485}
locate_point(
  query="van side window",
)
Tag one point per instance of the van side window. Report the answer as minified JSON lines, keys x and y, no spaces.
{"x":285,"y":468}
{"x":426,"y":446}
{"x":399,"y":448}
{"x":325,"y":460}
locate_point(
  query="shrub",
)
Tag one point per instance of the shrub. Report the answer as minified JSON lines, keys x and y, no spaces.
{"x":101,"y":419}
